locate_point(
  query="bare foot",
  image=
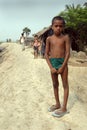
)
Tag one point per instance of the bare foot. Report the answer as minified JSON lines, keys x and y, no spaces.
{"x":60,"y":112}
{"x":62,"y":109}
{"x":53,"y":108}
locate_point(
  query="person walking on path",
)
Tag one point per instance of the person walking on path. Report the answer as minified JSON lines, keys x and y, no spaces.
{"x":22,"y":41}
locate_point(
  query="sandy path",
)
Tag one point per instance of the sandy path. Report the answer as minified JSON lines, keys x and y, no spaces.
{"x":26,"y":92}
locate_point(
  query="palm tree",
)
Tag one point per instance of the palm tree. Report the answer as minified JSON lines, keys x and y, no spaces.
{"x":27,"y":31}
{"x":85,"y":4}
{"x":76,"y":19}
{"x":72,"y":15}
{"x":72,"y":7}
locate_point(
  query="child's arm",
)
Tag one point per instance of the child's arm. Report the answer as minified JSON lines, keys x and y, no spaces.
{"x":38,"y":44}
{"x":67,"y":54}
{"x":67,"y":50}
{"x":47,"y":50}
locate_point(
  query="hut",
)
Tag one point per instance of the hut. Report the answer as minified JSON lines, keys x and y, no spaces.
{"x":44,"y":33}
{"x":29,"y":41}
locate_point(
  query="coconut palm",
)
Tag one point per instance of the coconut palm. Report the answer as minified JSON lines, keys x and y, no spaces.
{"x":85,"y":4}
{"x":74,"y":15}
{"x":76,"y":21}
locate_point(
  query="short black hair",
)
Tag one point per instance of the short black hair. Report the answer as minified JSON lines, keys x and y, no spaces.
{"x":36,"y":36}
{"x":58,"y":18}
{"x":22,"y":34}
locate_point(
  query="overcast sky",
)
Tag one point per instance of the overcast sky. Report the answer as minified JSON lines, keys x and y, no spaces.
{"x":34,"y":14}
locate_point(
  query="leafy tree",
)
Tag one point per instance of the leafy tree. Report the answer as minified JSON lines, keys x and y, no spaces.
{"x":27,"y":31}
{"x":85,"y":4}
{"x":76,"y":24}
{"x":74,"y":15}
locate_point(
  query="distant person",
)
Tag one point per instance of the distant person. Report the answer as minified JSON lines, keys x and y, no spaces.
{"x":22,"y":41}
{"x":36,"y":46}
{"x":58,"y":46}
{"x":39,"y":47}
{"x":43,"y":49}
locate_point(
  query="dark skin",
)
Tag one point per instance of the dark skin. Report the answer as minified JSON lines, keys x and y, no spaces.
{"x":58,"y":46}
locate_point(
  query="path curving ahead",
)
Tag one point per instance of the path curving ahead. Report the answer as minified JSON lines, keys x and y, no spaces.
{"x":26,"y":93}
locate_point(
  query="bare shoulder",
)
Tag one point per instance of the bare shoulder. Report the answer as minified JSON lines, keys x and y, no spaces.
{"x":48,"y":38}
{"x":66,"y":36}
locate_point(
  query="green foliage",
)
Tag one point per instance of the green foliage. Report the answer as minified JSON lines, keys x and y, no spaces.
{"x":74,"y":15}
{"x":27,"y":31}
{"x":76,"y":19}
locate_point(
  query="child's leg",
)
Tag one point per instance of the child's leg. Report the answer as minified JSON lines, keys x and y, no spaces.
{"x":64,"y":77}
{"x":23,"y":46}
{"x":35,"y":53}
{"x":56,"y":89}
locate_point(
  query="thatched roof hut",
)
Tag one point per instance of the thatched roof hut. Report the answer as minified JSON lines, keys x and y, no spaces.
{"x":43,"y":32}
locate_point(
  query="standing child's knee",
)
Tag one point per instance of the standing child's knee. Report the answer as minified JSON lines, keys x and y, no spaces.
{"x":55,"y":84}
{"x":65,"y":84}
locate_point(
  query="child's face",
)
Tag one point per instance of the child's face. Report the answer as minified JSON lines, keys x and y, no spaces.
{"x":58,"y":26}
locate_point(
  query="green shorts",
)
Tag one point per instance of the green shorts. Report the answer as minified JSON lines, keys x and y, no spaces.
{"x":56,"y":62}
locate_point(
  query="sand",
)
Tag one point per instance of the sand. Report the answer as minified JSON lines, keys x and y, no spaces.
{"x":26,"y":93}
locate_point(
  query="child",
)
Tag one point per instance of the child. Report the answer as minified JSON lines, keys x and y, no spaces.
{"x":58,"y":46}
{"x":36,"y":47}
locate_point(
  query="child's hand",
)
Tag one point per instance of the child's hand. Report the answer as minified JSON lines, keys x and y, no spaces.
{"x":60,"y":70}
{"x":53,"y":70}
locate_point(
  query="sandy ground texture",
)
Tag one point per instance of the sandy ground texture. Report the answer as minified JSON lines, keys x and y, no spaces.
{"x":26,"y":93}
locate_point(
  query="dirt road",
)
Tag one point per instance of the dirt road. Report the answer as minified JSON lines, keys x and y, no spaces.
{"x":26,"y":93}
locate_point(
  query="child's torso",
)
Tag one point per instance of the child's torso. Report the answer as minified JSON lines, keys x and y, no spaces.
{"x":57,"y":47}
{"x":22,"y":39}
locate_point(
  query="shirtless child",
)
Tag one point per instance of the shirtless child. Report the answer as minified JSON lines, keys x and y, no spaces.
{"x":36,"y":46}
{"x":58,"y":46}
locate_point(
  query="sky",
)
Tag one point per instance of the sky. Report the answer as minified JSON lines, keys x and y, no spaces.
{"x":15,"y":15}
